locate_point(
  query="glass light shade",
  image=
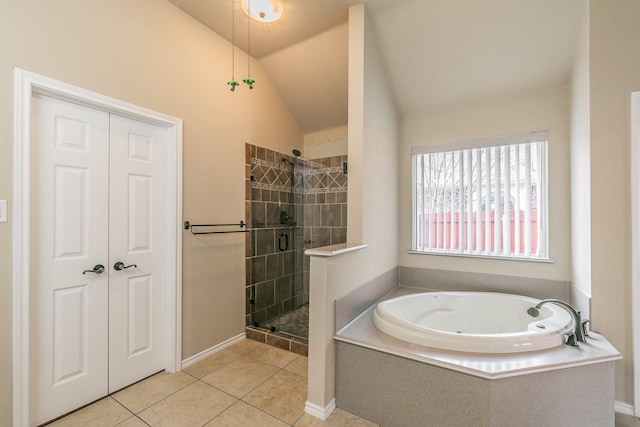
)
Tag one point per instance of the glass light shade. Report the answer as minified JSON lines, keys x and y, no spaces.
{"x":263,"y":10}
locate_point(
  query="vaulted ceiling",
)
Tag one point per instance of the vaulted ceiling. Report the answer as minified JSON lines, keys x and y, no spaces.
{"x":436,"y":52}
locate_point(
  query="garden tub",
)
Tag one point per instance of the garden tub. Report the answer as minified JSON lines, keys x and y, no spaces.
{"x":478,"y":322}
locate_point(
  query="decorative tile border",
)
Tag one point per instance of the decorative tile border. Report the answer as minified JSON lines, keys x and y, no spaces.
{"x":317,"y":179}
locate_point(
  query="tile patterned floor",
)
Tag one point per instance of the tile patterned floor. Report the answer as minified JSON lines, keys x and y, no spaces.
{"x":295,"y":323}
{"x":247,"y":384}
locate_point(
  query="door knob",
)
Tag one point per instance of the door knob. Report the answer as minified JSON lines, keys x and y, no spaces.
{"x":97,"y":269}
{"x":120,"y":266}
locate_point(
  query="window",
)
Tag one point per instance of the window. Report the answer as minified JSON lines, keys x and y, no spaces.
{"x":484,"y":197}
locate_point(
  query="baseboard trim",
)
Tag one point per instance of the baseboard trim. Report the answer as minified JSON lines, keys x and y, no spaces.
{"x":624,"y":408}
{"x":318,"y":411}
{"x":211,"y":350}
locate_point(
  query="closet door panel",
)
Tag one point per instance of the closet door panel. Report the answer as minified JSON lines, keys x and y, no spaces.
{"x":136,"y":298}
{"x":69,"y":237}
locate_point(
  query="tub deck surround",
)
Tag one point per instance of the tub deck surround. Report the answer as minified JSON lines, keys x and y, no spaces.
{"x":362,"y":332}
{"x":393,"y":391}
{"x":379,"y":375}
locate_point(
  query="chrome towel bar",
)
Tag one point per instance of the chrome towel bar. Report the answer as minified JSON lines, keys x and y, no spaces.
{"x":241,"y":224}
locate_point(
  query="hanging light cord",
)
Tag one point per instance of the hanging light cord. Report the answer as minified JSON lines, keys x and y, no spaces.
{"x":233,"y":83}
{"x":249,"y":41}
{"x":249,"y":81}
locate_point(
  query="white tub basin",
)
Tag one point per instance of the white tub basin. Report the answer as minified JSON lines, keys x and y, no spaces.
{"x":479,"y":322}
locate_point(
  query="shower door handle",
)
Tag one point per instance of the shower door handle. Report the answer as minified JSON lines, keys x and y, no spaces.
{"x":286,"y":242}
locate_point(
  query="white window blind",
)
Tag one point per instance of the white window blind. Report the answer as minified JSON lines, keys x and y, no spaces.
{"x":484,"y":197}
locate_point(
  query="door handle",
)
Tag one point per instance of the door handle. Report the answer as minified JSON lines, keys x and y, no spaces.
{"x":286,"y":241}
{"x":120,"y":266}
{"x":97,"y":269}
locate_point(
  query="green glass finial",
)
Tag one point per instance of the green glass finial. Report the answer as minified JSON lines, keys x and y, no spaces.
{"x":233,"y":84}
{"x":249,"y":81}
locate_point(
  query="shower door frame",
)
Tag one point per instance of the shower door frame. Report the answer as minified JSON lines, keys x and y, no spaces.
{"x":273,"y":160}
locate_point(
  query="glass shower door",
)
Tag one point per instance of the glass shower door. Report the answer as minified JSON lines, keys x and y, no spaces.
{"x":275,"y":258}
{"x":295,"y":204}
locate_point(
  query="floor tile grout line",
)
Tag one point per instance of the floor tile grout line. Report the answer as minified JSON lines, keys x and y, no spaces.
{"x":142,"y":421}
{"x":283,"y":367}
{"x":221,"y":390}
{"x":298,"y":419}
{"x":190,"y":384}
{"x":252,"y":389}
{"x":279,"y":369}
{"x":297,"y":356}
{"x":136,"y":417}
{"x":127,"y":409}
{"x":241,"y":399}
{"x":155,"y":403}
{"x":266,"y":412}
{"x":222,"y":366}
{"x":272,"y":415}
{"x":230,"y":406}
{"x":225,"y":410}
{"x":76,"y":411}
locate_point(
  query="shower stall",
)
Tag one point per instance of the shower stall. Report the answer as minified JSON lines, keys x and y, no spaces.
{"x":293,"y":204}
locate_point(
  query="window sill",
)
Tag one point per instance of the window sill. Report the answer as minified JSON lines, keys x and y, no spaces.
{"x":505,"y":258}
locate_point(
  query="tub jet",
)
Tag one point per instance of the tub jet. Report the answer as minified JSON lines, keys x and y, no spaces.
{"x":533,"y":312}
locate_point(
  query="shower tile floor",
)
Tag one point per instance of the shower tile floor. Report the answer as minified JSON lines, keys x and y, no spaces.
{"x":295,"y":323}
{"x":246,"y":384}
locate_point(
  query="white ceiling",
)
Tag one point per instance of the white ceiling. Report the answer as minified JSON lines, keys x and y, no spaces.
{"x":436,"y":52}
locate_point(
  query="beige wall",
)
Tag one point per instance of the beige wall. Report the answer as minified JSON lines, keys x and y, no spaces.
{"x":373,"y":188}
{"x":373,"y":142}
{"x":580,"y":163}
{"x":614,"y":74}
{"x":315,"y":104}
{"x":151,"y":54}
{"x":542,"y":109}
{"x":325,"y":143}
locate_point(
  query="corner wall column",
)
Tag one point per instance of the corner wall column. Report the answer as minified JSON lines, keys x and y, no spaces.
{"x":331,"y":277}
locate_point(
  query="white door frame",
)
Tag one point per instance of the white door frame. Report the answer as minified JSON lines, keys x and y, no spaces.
{"x":635,"y":245}
{"x":25,"y":85}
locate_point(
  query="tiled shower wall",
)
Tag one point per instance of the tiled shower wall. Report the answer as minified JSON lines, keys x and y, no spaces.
{"x":325,"y":209}
{"x":277,"y":271}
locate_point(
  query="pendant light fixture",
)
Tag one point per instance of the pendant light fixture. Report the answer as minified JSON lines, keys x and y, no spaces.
{"x":249,"y":81}
{"x":233,"y":82}
{"x":264,"y":11}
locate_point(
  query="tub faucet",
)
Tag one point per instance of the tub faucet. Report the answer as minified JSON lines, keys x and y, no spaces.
{"x":579,"y":334}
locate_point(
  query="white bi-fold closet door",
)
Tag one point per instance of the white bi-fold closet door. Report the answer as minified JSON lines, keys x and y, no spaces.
{"x":97,"y":285}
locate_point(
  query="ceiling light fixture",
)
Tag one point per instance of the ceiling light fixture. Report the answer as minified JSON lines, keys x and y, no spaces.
{"x":263,"y":10}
